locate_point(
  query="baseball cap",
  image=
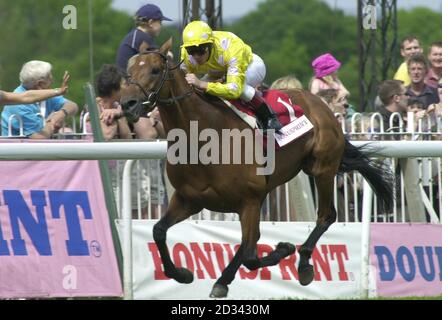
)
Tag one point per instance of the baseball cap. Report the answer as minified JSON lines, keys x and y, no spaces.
{"x":151,"y":11}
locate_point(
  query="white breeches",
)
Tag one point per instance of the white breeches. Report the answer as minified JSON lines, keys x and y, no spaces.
{"x":255,"y":75}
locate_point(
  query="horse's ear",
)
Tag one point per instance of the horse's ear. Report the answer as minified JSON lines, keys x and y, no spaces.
{"x":143,"y":46}
{"x":167,"y":46}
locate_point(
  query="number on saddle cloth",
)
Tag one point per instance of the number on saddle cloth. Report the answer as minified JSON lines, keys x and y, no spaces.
{"x":283,"y":107}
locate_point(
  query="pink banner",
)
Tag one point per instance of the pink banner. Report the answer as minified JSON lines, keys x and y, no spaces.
{"x":55,"y":237}
{"x":407,"y":259}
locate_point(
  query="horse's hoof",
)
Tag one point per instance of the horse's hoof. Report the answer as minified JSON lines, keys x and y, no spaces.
{"x":219,"y":291}
{"x":287,"y":247}
{"x":183,"y":275}
{"x":306,"y":275}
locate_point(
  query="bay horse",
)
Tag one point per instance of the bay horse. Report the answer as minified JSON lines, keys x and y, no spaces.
{"x":322,"y":153}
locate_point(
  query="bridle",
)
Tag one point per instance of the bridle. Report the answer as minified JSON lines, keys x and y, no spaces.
{"x":152,"y":97}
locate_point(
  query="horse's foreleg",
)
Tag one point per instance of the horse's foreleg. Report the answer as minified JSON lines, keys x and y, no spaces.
{"x":178,"y":211}
{"x":220,"y":288}
{"x":250,"y":230}
{"x":249,"y":217}
{"x":326,"y":216}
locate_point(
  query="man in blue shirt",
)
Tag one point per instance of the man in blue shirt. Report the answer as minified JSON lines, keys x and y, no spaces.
{"x":148,"y":21}
{"x":39,"y":120}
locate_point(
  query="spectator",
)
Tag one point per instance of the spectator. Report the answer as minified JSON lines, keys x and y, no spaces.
{"x":40,"y":120}
{"x":437,"y":107}
{"x":419,"y":113}
{"x":337,"y":102}
{"x":287,"y":82}
{"x":114,"y":126}
{"x":335,"y":99}
{"x":326,"y":76}
{"x":148,"y":21}
{"x":410,"y":46}
{"x":417,"y":68}
{"x":435,"y":58}
{"x":33,"y":96}
{"x":394,"y":100}
{"x":108,"y":84}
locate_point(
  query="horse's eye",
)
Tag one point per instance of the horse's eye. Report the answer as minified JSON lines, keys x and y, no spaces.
{"x":155,"y":71}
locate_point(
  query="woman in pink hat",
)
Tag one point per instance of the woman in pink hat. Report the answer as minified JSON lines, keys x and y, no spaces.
{"x":325,"y":68}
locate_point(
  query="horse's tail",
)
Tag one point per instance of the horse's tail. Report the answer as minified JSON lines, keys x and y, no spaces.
{"x":378,"y":175}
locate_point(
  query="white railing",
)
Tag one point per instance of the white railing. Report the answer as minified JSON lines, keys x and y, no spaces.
{"x":83,"y":150}
{"x":64,"y":131}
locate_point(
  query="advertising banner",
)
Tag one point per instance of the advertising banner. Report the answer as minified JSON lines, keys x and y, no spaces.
{"x":206,"y":247}
{"x":407,"y":259}
{"x":55,"y":238}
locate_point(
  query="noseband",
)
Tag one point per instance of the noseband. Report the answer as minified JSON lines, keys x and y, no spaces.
{"x":152,"y":97}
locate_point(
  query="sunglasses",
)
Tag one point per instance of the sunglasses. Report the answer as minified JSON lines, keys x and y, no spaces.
{"x":196,"y":50}
{"x":439,"y":85}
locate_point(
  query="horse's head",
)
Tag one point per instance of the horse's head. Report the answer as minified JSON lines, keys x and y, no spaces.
{"x":147,"y":73}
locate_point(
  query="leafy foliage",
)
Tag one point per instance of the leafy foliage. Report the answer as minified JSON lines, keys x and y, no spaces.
{"x":33,"y":30}
{"x":288,"y":34}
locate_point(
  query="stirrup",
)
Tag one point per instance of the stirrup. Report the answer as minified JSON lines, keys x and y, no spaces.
{"x":274,"y":123}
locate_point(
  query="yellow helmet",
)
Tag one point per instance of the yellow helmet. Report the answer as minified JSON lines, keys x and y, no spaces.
{"x":197,"y":33}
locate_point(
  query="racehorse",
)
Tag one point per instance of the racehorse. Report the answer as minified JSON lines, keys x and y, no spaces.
{"x":322,"y":153}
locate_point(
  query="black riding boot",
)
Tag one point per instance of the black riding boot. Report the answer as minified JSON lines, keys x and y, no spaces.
{"x":265,"y":114}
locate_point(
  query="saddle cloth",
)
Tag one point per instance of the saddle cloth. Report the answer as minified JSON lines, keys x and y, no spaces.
{"x":278,"y":101}
{"x":286,"y":111}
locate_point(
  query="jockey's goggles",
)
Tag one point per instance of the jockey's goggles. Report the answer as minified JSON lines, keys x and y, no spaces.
{"x":197,"y":50}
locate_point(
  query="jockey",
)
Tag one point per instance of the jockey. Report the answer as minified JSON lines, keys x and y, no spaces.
{"x":229,"y":68}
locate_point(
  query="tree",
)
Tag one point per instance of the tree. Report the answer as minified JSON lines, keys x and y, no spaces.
{"x":289,"y":34}
{"x":33,"y":30}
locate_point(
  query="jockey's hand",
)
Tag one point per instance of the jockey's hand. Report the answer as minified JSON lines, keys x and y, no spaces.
{"x":193,"y":80}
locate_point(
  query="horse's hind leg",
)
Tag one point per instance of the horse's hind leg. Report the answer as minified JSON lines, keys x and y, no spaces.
{"x":178,"y":210}
{"x":326,"y":216}
{"x":247,"y":253}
